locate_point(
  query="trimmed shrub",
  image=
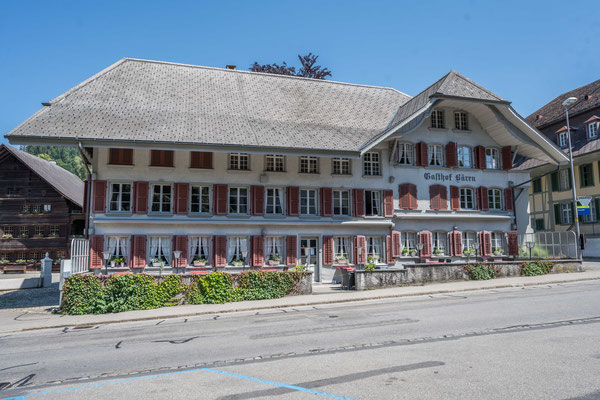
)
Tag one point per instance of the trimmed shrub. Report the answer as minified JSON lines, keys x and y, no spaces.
{"x":533,"y":268}
{"x":479,"y":272}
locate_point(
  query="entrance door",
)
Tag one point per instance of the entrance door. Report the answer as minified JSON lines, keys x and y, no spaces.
{"x":309,"y":255}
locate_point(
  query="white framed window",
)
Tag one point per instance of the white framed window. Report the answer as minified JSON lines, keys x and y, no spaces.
{"x":342,"y":246}
{"x":199,"y":249}
{"x":465,"y":157}
{"x":308,"y":202}
{"x":39,"y":230}
{"x":497,"y":239}
{"x":373,"y":202}
{"x":200,"y":199}
{"x":120,"y":197}
{"x":341,"y":166}
{"x":36,"y":209}
{"x":341,"y":202}
{"x":593,"y":130}
{"x":47,"y":208}
{"x":468,"y":240}
{"x":160,"y":249}
{"x":439,"y":243}
{"x":562,"y":139}
{"x":460,"y":121}
{"x":406,"y":154}
{"x":238,"y":200}
{"x":274,"y":250}
{"x":25,"y":208}
{"x":593,"y":213}
{"x":118,"y":246}
{"x":237,"y":250}
{"x":437,"y":119}
{"x":309,"y":165}
{"x":239,"y":161}
{"x":566,"y":213}
{"x":24,"y":231}
{"x":435,"y":155}
{"x":492,"y":158}
{"x":161,"y":198}
{"x":275,"y":163}
{"x":374,"y":248}
{"x":409,"y":241}
{"x":54,"y":230}
{"x":8,"y":230}
{"x":274,"y":203}
{"x":371,"y":164}
{"x":495,"y":199}
{"x":467,"y":198}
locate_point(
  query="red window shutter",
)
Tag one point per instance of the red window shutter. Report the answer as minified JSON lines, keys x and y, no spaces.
{"x":434,"y":197}
{"x":293,"y":201}
{"x":140,"y":205}
{"x":358,"y":196}
{"x":425,"y":238}
{"x":96,"y":249}
{"x":482,"y":198}
{"x":388,"y":250}
{"x":422,"y":154}
{"x":456,"y":243}
{"x":508,"y":199}
{"x":181,"y":198}
{"x":388,"y":203}
{"x":201,"y":159}
{"x":479,"y":157}
{"x":360,"y":255}
{"x":454,"y":198}
{"x":258,"y":200}
{"x":138,"y":251}
{"x":485,"y":243}
{"x":506,"y":157}
{"x":326,"y":203}
{"x":180,"y":243}
{"x":161,"y":158}
{"x":513,"y":243}
{"x":443,"y":197}
{"x":257,"y":251}
{"x":290,"y":250}
{"x":220,"y":251}
{"x":120,"y":156}
{"x":412,"y":195}
{"x":327,"y":250}
{"x":404,"y":199}
{"x":99,"y":197}
{"x":451,"y":155}
{"x":396,"y":244}
{"x":220,"y":199}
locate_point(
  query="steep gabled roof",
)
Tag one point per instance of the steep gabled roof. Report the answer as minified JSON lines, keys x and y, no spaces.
{"x":64,"y":182}
{"x":150,"y":101}
{"x":554,"y":111}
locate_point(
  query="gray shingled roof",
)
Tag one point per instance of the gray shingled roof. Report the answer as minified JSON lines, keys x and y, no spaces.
{"x":139,"y":100}
{"x":64,"y":182}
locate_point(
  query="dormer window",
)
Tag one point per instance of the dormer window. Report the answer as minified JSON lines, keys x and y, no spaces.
{"x":562,"y":139}
{"x":437,"y":119}
{"x":460,"y":121}
{"x":593,"y":130}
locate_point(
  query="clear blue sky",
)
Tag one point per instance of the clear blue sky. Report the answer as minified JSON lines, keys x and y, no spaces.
{"x":526,"y":51}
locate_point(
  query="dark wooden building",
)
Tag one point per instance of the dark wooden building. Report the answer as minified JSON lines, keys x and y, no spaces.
{"x":40,"y":208}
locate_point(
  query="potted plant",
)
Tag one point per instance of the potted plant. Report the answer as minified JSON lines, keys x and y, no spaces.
{"x":4,"y":261}
{"x":199,"y":261}
{"x":35,"y":211}
{"x":437,"y":251}
{"x":20,"y":261}
{"x":237,"y":262}
{"x":413,"y":252}
{"x":54,"y":235}
{"x":341,"y":260}
{"x":498,"y":252}
{"x":23,"y":235}
{"x":46,"y":211}
{"x":7,"y":236}
{"x":275,"y":259}
{"x":405,"y":251}
{"x":156,"y":262}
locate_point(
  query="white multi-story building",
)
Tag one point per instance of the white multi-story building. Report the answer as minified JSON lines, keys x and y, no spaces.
{"x":236,"y":169}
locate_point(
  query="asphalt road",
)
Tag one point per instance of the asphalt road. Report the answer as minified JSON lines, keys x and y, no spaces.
{"x":526,"y":343}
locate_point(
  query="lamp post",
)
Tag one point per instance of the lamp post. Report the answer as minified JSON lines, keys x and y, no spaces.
{"x":244,"y":255}
{"x":420,"y":248}
{"x":566,"y":103}
{"x":476,"y":247}
{"x":177,"y":255}
{"x":360,"y":256}
{"x":106,"y":256}
{"x":530,"y":245}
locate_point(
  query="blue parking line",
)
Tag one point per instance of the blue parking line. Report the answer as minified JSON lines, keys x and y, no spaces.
{"x":139,"y":378}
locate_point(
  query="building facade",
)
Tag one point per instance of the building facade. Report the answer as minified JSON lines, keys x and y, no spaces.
{"x":40,"y":208}
{"x":551,"y":199}
{"x":198,"y":167}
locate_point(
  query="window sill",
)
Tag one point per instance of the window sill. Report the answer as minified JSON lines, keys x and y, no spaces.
{"x":209,"y":169}
{"x":461,"y":130}
{"x":199,"y":215}
{"x":118,"y":214}
{"x":239,"y":170}
{"x":161,"y":166}
{"x":432,"y":129}
{"x":309,"y":173}
{"x":159,"y":214}
{"x":372,"y":176}
{"x":342,"y":175}
{"x":274,"y":172}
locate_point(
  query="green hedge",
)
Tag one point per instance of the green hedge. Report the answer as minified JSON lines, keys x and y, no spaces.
{"x":90,"y":294}
{"x":533,"y":268}
{"x":480,"y":272}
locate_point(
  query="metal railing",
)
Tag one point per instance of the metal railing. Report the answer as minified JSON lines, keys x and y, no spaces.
{"x":79,"y":262}
{"x":547,"y":245}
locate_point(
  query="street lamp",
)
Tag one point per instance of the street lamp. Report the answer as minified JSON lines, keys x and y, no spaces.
{"x":106,"y":256}
{"x":476,"y":247}
{"x":566,"y":103}
{"x":244,"y":255}
{"x":420,"y":248}
{"x":177,"y":255}
{"x":530,"y":245}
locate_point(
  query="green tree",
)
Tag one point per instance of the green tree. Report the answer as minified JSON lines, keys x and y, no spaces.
{"x":65,"y":157}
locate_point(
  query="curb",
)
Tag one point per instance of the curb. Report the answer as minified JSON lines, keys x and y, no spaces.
{"x":300,"y":304}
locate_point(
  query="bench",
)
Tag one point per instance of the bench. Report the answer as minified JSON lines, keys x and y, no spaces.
{"x":15,"y":268}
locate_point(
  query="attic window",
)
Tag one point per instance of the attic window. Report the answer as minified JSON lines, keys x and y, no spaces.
{"x":437,"y":119}
{"x":460,"y":121}
{"x":538,"y":117}
{"x":587,"y":96}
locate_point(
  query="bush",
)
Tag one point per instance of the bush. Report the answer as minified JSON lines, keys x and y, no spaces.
{"x":479,"y":272}
{"x":533,"y":268}
{"x":214,"y":288}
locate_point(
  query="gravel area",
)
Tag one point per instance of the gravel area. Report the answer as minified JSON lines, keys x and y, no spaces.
{"x":43,"y":298}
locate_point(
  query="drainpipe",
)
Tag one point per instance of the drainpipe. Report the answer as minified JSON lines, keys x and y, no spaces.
{"x":86,"y":161}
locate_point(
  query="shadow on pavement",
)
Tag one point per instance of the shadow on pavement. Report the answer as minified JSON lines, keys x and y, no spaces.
{"x":26,"y":298}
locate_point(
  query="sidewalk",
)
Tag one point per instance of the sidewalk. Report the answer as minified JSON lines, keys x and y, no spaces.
{"x":23,"y":319}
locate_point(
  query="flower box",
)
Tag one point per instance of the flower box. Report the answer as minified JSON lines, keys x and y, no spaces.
{"x":199,"y":263}
{"x":274,"y":262}
{"x":157,"y":264}
{"x":341,"y":262}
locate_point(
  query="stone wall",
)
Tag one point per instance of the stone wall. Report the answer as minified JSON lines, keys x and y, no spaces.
{"x":419,"y":274}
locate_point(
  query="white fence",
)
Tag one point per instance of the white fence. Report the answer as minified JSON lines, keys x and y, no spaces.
{"x":548,"y":245}
{"x":79,"y":262}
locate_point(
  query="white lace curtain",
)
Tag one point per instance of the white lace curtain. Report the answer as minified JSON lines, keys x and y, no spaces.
{"x":199,"y":247}
{"x":118,"y":246}
{"x":273,"y":245}
{"x":342,"y":247}
{"x":160,"y":247}
{"x":236,"y":248}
